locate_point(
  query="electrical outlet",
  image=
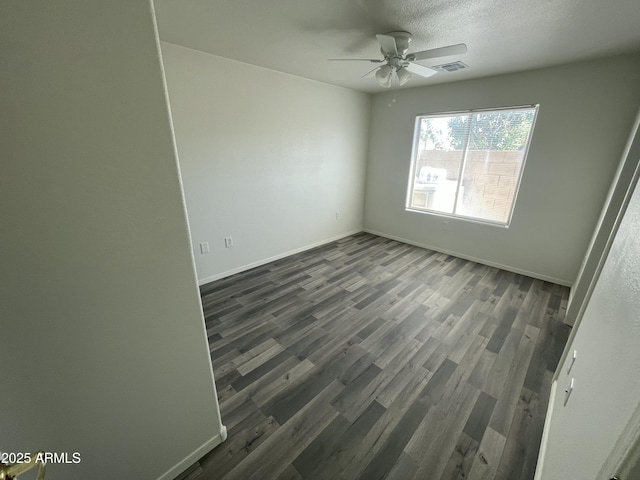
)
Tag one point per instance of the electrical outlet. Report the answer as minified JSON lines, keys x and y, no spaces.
{"x":204,"y":247}
{"x":228,"y":242}
{"x":337,"y":215}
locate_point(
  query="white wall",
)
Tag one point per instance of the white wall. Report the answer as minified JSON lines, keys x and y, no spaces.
{"x":609,"y":216}
{"x":266,"y":157}
{"x":580,"y":435}
{"x":586,"y":111}
{"x":102,"y":345}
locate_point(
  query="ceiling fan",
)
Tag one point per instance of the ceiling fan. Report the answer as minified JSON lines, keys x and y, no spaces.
{"x":398,"y":63}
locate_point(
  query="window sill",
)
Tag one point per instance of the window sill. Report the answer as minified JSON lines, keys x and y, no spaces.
{"x":457,"y":217}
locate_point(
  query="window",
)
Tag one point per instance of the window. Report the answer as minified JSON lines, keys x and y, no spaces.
{"x":469,"y":164}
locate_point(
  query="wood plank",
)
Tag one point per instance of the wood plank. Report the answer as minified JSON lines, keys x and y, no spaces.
{"x":368,"y":358}
{"x":243,"y":439}
{"x":322,"y":458}
{"x":290,"y":473}
{"x":461,"y":459}
{"x":272,"y":385}
{"x":389,"y":454}
{"x":487,"y":459}
{"x":260,"y":358}
{"x":382,"y":433}
{"x":436,"y":436}
{"x":292,"y":400}
{"x":353,"y":408}
{"x":506,"y":405}
{"x":283,"y":358}
{"x":404,"y":468}
{"x":276,"y":453}
{"x":480,"y":416}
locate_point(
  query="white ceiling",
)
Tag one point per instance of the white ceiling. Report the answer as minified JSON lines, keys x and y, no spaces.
{"x":298,"y":36}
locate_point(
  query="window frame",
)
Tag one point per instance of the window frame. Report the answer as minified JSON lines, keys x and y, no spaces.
{"x":414,"y":163}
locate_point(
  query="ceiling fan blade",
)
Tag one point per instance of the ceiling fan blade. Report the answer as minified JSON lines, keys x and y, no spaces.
{"x":388,"y":44}
{"x":372,"y":60}
{"x":370,"y":72}
{"x":458,"y":49}
{"x":420,"y":70}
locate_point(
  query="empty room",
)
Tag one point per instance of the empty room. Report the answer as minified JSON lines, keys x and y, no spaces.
{"x":320,"y":240}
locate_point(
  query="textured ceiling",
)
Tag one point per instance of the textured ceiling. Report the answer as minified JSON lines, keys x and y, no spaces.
{"x":298,"y":36}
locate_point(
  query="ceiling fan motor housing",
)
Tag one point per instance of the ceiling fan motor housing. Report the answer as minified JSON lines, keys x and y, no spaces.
{"x":402,"y":42}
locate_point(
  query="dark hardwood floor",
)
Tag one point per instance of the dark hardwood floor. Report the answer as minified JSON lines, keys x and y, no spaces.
{"x":368,"y":358}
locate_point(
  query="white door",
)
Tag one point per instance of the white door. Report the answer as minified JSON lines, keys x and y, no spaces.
{"x":586,"y":425}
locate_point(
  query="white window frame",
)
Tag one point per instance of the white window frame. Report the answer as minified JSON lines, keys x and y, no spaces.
{"x":414,"y":162}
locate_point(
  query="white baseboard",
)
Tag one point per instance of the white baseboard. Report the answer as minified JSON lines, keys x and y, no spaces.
{"x":474,"y":259}
{"x":196,"y":455}
{"x":218,"y":276}
{"x":228,"y":273}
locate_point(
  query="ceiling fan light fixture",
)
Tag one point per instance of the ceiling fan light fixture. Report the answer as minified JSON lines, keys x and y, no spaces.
{"x":386,"y":83}
{"x":383,"y":76}
{"x":398,"y":66}
{"x":403,"y":75}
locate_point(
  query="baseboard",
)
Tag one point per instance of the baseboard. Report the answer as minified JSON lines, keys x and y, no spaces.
{"x":474,"y":259}
{"x":228,"y":273}
{"x":546,"y":278}
{"x":196,"y":455}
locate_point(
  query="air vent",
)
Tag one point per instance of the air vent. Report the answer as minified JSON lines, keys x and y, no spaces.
{"x":450,"y":67}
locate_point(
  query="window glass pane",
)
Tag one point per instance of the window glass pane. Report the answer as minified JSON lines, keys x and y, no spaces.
{"x":438,"y":163}
{"x":469,"y":164}
{"x":496,"y":149}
